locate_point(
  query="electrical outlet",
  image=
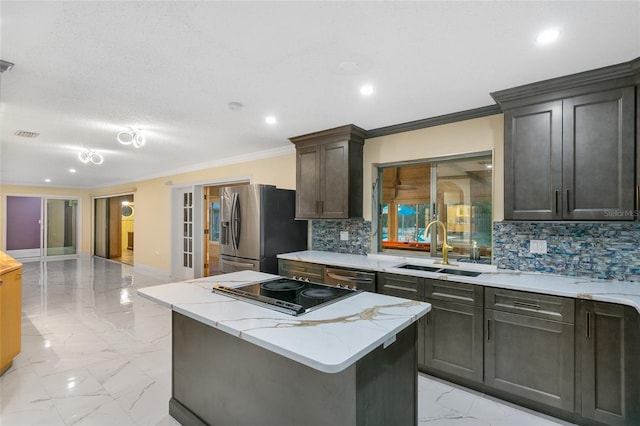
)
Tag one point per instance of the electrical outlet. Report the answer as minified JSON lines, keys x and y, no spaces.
{"x":344,"y":235}
{"x":538,"y":246}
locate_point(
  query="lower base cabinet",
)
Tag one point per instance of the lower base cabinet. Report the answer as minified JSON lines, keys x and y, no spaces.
{"x":574,"y":359}
{"x":530,"y":357}
{"x":607,"y":343}
{"x":10,"y":317}
{"x":453,"y":340}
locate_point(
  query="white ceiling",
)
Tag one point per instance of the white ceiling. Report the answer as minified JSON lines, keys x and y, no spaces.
{"x":85,"y":71}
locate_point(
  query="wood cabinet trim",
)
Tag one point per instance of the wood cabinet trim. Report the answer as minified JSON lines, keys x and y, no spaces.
{"x":613,"y":76}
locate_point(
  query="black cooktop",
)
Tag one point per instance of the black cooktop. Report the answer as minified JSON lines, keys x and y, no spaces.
{"x":286,"y":295}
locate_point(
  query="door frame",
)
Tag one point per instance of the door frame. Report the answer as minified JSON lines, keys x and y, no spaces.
{"x":177,"y":240}
{"x":93,"y":215}
{"x":30,"y":254}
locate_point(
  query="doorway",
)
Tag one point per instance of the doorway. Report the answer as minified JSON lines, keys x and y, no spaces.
{"x":37,"y":227}
{"x":212,"y":231}
{"x":114,"y":228}
{"x":195,"y":229}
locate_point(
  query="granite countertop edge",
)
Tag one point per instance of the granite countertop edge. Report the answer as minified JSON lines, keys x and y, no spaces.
{"x":364,"y":321}
{"x":619,"y":292}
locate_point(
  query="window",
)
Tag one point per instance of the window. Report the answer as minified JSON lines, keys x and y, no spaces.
{"x":456,"y":191}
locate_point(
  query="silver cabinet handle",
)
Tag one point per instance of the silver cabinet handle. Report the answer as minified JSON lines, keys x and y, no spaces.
{"x":527,"y":305}
{"x":395,"y":287}
{"x":350,"y":279}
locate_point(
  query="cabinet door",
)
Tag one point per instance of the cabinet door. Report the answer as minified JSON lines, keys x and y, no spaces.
{"x":533,"y":162}
{"x":10,"y":317}
{"x":530,"y":357}
{"x":598,"y":156}
{"x":607,"y":342}
{"x":453,"y":339}
{"x":334,"y":180}
{"x":307,"y":182}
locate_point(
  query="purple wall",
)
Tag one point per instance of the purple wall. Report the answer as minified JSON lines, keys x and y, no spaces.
{"x":23,"y":223}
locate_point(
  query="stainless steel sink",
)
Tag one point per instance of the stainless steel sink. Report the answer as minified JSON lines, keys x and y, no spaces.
{"x":421,"y":268}
{"x":441,"y":270}
{"x":460,"y":272}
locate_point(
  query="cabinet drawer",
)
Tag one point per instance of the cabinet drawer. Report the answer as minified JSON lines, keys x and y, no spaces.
{"x":554,"y":308}
{"x":305,"y":270}
{"x":401,"y":286}
{"x":449,"y":291}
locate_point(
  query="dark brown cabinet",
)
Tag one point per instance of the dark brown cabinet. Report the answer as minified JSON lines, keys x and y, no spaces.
{"x":453,"y":339}
{"x":411,"y":288}
{"x":329,"y":173}
{"x":607,"y":340}
{"x":529,"y":348}
{"x":301,"y":270}
{"x":570,"y":147}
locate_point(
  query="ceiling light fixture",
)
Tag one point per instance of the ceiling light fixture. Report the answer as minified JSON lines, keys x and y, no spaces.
{"x":548,"y":36}
{"x":88,"y":155}
{"x":366,"y":90}
{"x":5,"y":66}
{"x":72,"y":170}
{"x":133,"y":137}
{"x":270,"y":120}
{"x":47,"y":180}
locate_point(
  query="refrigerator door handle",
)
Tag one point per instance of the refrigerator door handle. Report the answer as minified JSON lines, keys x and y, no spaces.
{"x":236,"y":219}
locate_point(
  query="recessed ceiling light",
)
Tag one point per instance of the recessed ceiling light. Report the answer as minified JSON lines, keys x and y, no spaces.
{"x":72,"y":170}
{"x":548,"y":36}
{"x":47,"y":180}
{"x":366,"y":90}
{"x":270,"y":119}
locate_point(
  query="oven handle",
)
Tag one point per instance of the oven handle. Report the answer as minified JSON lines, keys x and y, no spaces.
{"x":231,"y":262}
{"x":350,"y":279}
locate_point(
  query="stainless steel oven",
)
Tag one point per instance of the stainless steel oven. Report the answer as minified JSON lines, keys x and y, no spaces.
{"x":352,"y":279}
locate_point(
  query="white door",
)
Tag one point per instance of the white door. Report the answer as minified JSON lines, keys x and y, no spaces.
{"x":186,"y":232}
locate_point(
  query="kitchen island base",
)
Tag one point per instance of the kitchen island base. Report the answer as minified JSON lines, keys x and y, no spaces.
{"x":220,"y":379}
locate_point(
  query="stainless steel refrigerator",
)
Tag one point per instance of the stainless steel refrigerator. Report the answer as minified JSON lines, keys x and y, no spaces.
{"x":256,"y":224}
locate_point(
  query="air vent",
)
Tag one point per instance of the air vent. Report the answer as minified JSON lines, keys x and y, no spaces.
{"x":25,"y":134}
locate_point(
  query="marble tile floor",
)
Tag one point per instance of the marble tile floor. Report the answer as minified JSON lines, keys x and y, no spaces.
{"x":94,"y":353}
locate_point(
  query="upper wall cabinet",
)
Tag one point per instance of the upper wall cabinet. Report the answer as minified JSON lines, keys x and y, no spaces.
{"x":329,"y":173}
{"x":570,"y":147}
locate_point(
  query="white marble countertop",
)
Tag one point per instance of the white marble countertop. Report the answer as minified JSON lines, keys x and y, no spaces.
{"x":328,"y":339}
{"x":620,"y":292}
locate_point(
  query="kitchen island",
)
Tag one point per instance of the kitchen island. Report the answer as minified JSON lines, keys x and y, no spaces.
{"x":352,"y":362}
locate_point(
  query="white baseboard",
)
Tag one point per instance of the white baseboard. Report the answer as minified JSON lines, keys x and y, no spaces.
{"x":152,"y":271}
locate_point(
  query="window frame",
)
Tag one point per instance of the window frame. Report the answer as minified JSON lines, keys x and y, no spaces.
{"x":377,"y":237}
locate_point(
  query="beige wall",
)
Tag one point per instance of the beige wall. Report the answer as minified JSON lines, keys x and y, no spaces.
{"x":479,"y":134}
{"x":153,"y":197}
{"x":152,"y":200}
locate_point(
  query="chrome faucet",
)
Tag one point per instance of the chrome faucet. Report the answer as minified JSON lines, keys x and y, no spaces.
{"x":446,"y":248}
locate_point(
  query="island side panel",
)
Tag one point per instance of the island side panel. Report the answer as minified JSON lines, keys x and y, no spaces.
{"x":387,"y":383}
{"x":219,"y":379}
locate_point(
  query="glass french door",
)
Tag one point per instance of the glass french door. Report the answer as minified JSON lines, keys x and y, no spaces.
{"x":41,"y":226}
{"x":61,"y":229}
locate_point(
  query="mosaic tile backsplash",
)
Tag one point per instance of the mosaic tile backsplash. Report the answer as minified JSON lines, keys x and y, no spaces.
{"x":326,"y":236}
{"x":596,"y":250}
